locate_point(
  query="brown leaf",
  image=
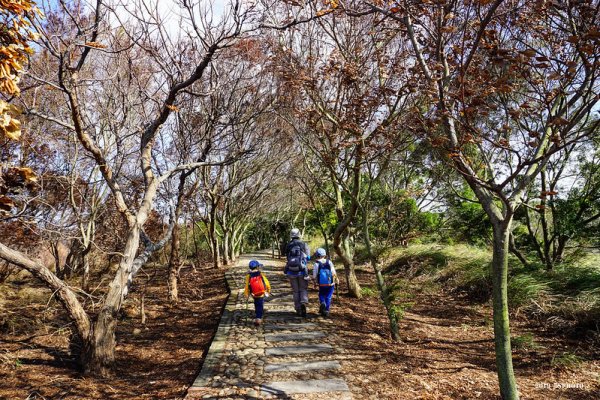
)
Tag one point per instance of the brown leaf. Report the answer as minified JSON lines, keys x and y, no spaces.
{"x":573,"y":39}
{"x":528,"y":52}
{"x":96,"y":45}
{"x":10,"y":127}
{"x":6,"y":204}
{"x":559,"y":121}
{"x":27,"y":174}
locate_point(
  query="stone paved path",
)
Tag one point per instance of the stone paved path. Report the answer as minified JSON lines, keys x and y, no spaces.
{"x":288,"y":357}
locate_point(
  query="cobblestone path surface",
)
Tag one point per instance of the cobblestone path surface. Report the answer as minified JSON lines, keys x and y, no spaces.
{"x":288,"y":357}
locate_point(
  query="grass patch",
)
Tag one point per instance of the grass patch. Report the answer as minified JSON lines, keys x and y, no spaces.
{"x":524,"y":289}
{"x":368,"y":291}
{"x":571,"y":291}
{"x":461,"y":267}
{"x":566,"y":360}
{"x":525,"y":341}
{"x":573,"y":278}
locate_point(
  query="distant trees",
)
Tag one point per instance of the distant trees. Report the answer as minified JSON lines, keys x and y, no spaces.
{"x":563,"y":208}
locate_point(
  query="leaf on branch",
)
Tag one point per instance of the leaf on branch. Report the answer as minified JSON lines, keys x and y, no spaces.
{"x":573,"y":39}
{"x":320,"y":13}
{"x":540,"y":207}
{"x":593,"y":33}
{"x":26,"y":174}
{"x":548,"y":193}
{"x":528,"y":53}
{"x":449,"y":29}
{"x":559,"y":121}
{"x":10,"y":127}
{"x":554,"y":76}
{"x":503,"y":143}
{"x":172,"y":108}
{"x":96,"y":45}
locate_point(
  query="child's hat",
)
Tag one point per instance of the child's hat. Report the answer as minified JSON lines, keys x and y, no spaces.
{"x":254,"y":264}
{"x":321,"y":252}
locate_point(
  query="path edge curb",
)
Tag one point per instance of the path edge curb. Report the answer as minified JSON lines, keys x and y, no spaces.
{"x":215,"y":351}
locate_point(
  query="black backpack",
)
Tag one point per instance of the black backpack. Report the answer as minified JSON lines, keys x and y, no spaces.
{"x":296,"y":259}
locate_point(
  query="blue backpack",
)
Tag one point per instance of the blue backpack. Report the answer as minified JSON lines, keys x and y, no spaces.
{"x":325,"y":277}
{"x":296,"y":259}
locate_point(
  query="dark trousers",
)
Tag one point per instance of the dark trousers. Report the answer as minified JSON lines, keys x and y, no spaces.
{"x":325,"y":294}
{"x":259,"y":306}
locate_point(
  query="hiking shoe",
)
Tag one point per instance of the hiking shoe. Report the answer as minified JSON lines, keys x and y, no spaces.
{"x":322,"y":309}
{"x":257,"y":321}
{"x":326,"y":314}
{"x":303,"y":310}
{"x":298,"y":311}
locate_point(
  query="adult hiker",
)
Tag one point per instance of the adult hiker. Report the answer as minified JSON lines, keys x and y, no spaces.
{"x":325,"y":277}
{"x":297,"y":254}
{"x":259,"y":287}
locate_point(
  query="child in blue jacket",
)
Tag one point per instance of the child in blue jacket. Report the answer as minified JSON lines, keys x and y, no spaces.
{"x":325,"y":277}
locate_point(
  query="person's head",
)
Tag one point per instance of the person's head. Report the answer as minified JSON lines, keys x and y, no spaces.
{"x":321,"y":253}
{"x":295,"y":233}
{"x":253,"y":264}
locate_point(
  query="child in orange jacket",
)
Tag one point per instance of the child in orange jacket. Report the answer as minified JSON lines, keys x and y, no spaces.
{"x":259,"y":287}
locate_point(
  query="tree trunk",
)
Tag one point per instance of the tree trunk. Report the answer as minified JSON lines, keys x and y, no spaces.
{"x":346,"y":257}
{"x":61,"y":290}
{"x":174,"y":259}
{"x":226,"y":247}
{"x":195,"y":238}
{"x":560,"y":248}
{"x":325,"y":239}
{"x":174,"y":262}
{"x":85,"y":277}
{"x":60,"y":273}
{"x":513,"y":249}
{"x":214,"y":239}
{"x":98,"y":355}
{"x":506,"y":376}
{"x":386,"y":296}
